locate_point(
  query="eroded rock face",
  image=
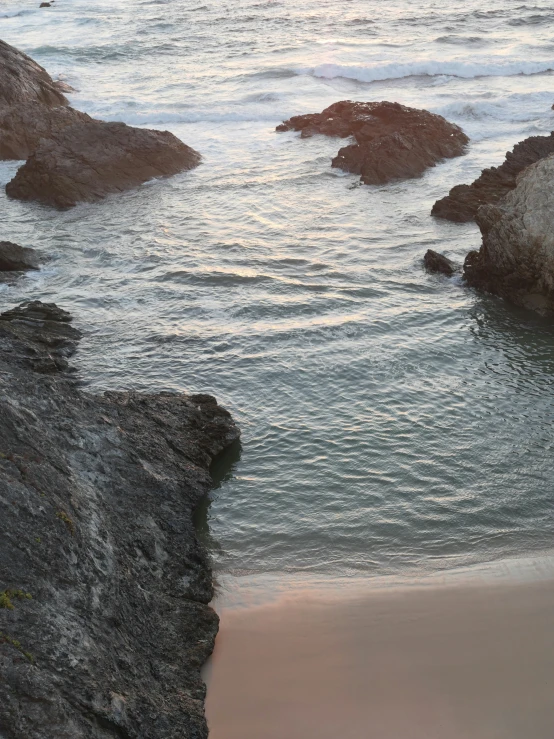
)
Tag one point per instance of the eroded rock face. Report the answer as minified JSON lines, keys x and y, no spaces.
{"x":435,"y":262}
{"x":104,"y":586}
{"x":392,"y":140}
{"x":494,"y":183}
{"x":14,"y":257}
{"x":87,"y":161}
{"x":516,"y":259}
{"x":22,"y":80}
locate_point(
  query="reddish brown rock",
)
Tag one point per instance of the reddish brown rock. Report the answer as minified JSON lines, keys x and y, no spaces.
{"x":494,"y":183}
{"x":87,"y":161}
{"x":392,"y":141}
{"x":23,"y":80}
{"x":23,"y":126}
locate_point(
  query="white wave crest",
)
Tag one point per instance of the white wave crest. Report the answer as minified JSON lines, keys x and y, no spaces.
{"x":429,"y":68}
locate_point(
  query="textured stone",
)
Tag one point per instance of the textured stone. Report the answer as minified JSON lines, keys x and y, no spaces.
{"x":494,"y":183}
{"x":87,"y":161}
{"x":14,"y":257}
{"x":97,"y":495}
{"x":516,"y":259}
{"x":435,"y":262}
{"x":392,"y":141}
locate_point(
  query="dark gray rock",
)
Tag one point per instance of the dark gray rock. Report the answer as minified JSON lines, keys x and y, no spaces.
{"x":87,"y":161}
{"x":104,"y":586}
{"x":392,"y":141}
{"x":494,"y":183}
{"x":14,"y":257}
{"x":435,"y":262}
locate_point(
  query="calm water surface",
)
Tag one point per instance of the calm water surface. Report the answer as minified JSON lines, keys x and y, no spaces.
{"x":393,"y":422}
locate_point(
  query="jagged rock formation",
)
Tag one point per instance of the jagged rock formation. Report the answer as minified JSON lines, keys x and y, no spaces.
{"x":494,"y":183}
{"x":516,"y":259}
{"x":104,"y":587}
{"x":435,"y":262}
{"x":86,"y":162}
{"x":14,"y":257}
{"x":392,"y":140}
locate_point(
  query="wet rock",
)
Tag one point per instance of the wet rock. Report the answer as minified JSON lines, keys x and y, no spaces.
{"x":392,"y":141}
{"x":14,"y":257}
{"x":494,"y":183}
{"x":87,"y":161}
{"x":45,"y":338}
{"x":516,"y":258}
{"x":23,"y":126}
{"x":22,"y":80}
{"x":45,"y":5}
{"x":435,"y":262}
{"x":104,"y":585}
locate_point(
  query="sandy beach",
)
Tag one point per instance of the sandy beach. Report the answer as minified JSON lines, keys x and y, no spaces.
{"x":474,"y":661}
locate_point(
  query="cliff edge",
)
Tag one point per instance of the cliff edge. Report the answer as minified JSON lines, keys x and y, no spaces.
{"x":104,"y":586}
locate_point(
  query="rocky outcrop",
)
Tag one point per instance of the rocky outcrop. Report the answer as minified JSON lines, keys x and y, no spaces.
{"x":104,"y":586}
{"x":494,"y":183}
{"x":23,"y":126}
{"x":392,"y":141}
{"x":22,"y":80}
{"x":86,"y":162}
{"x":516,"y":259}
{"x":71,"y":157}
{"x":14,"y":258}
{"x":435,"y":262}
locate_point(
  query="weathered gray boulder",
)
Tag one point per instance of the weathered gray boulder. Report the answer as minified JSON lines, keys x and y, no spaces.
{"x":14,"y":257}
{"x":392,"y":141}
{"x":516,"y":259}
{"x":494,"y":183}
{"x":104,"y":586}
{"x":87,"y":161}
{"x":435,"y":262}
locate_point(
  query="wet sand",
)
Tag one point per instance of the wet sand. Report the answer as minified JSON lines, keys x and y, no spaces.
{"x":448,"y":662}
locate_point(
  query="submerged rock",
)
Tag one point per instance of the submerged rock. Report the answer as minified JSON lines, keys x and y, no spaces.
{"x":392,"y":140}
{"x":435,"y":262}
{"x":104,"y":586}
{"x":516,"y":259}
{"x":14,"y":257}
{"x":87,"y":161}
{"x":494,"y":183}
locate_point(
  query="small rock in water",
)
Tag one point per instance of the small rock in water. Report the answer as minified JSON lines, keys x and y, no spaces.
{"x":14,"y":258}
{"x":435,"y":262}
{"x":392,"y":140}
{"x":45,"y":5}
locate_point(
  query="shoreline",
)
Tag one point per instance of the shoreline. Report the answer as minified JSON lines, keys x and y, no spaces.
{"x":470,"y":660}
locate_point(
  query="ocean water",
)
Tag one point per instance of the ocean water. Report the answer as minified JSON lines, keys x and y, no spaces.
{"x":395,"y":424}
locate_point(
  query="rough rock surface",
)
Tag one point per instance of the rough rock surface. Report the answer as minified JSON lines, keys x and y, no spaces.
{"x":32,"y":104}
{"x":516,"y":259}
{"x":104,"y":587}
{"x":14,"y":257}
{"x":23,"y":126}
{"x":86,"y":162}
{"x":22,"y":80}
{"x":392,"y":140}
{"x":494,"y":183}
{"x":435,"y":262}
